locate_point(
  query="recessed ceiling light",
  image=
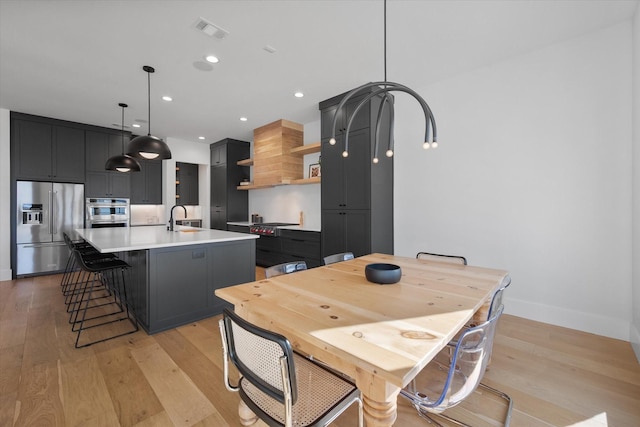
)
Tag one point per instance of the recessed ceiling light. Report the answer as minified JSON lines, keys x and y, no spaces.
{"x":212,"y":59}
{"x":135,"y":125}
{"x":167,"y":98}
{"x":298,"y":94}
{"x":243,"y":119}
{"x":201,"y":137}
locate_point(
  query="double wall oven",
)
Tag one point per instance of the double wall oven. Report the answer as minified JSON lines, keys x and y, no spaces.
{"x":107,"y":212}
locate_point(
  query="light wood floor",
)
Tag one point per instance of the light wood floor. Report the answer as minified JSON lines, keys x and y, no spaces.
{"x":556,"y":376}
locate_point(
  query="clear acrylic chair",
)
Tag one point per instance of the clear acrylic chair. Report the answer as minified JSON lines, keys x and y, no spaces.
{"x":344,"y":256}
{"x":281,"y":387}
{"x":285,"y":268}
{"x":445,"y":382}
{"x":452,"y":259}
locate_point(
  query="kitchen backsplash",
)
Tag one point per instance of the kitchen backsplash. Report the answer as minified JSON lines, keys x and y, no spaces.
{"x":155,"y":214}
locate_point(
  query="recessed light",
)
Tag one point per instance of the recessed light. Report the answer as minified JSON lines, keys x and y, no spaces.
{"x":243,"y":119}
{"x":167,"y":98}
{"x":212,"y":59}
{"x":201,"y":137}
{"x":298,"y":94}
{"x":135,"y":125}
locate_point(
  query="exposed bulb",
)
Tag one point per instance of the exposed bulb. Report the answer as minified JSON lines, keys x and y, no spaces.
{"x":426,"y":145}
{"x":332,"y":141}
{"x":345,"y":153}
{"x":434,"y":144}
{"x":149,"y":156}
{"x":375,"y":160}
{"x":123,"y":169}
{"x":389,"y":153}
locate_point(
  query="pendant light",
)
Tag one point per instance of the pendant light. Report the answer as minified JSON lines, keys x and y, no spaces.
{"x":122,"y":162}
{"x":383,"y":89}
{"x":149,"y":147}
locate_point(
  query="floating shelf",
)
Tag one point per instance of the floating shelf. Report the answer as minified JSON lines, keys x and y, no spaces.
{"x":307,"y":149}
{"x":245,"y":162}
{"x":303,"y":181}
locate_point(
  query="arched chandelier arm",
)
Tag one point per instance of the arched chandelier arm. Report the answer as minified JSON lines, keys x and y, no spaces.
{"x":386,"y":101}
{"x":390,"y":87}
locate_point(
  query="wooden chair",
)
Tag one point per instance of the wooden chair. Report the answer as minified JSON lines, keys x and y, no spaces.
{"x":285,"y":268}
{"x":452,"y":259}
{"x":344,"y":256}
{"x":448,"y":380}
{"x":281,"y":387}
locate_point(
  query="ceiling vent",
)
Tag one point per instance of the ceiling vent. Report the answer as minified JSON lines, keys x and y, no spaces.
{"x":210,"y":29}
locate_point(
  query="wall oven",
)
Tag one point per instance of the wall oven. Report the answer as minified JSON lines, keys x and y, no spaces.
{"x":107,"y":212}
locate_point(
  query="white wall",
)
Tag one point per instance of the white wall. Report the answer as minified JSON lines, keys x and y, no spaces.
{"x":635,"y":307}
{"x":284,"y":203}
{"x":5,"y":188}
{"x":187,"y":152}
{"x":533,"y":175}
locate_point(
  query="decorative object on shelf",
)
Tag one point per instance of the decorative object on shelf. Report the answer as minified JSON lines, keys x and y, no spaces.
{"x":384,"y":88}
{"x":148,"y":146}
{"x":383,"y":274}
{"x":122,"y":162}
{"x":314,"y":170}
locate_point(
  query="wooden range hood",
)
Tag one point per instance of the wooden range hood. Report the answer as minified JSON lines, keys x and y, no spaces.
{"x":273,"y":161}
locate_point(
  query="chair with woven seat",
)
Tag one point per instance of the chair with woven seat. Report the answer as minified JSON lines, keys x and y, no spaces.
{"x":344,"y":256}
{"x":285,"y":268}
{"x":450,"y":378}
{"x":451,"y":259}
{"x":281,"y":387}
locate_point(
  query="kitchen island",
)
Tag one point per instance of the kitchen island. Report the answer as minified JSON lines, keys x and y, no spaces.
{"x":174,"y":274}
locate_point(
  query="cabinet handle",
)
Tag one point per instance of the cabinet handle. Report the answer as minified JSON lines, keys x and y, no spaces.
{"x":298,"y":240}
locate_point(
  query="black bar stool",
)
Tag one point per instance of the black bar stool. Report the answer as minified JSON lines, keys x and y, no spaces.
{"x":100,"y":300}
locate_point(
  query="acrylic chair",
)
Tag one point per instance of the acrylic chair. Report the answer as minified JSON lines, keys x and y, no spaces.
{"x":344,"y":256}
{"x":445,"y":382}
{"x":285,"y":268}
{"x":451,"y":259}
{"x":281,"y":387}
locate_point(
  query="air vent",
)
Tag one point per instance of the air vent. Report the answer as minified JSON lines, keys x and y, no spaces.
{"x":210,"y":29}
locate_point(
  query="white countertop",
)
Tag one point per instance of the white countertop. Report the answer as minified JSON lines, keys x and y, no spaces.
{"x":283,"y":227}
{"x":117,"y":239}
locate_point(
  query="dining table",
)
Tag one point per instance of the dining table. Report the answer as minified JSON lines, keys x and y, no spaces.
{"x":380,"y":336}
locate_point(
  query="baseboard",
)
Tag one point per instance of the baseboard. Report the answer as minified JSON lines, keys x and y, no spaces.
{"x":581,"y":321}
{"x":5,"y":274}
{"x":634,"y":337}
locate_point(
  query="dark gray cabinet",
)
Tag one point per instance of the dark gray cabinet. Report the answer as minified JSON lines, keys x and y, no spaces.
{"x":301,"y":245}
{"x":227,"y":202}
{"x":187,"y":187}
{"x":100,"y":146}
{"x":42,"y":151}
{"x":146,"y":185}
{"x":356,"y":194}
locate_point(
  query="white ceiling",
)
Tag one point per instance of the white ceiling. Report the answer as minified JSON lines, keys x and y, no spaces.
{"x":76,"y":60}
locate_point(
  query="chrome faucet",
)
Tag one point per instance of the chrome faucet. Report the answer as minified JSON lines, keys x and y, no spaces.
{"x":171,"y":216}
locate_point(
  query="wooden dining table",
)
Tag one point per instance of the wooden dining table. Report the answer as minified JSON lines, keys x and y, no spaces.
{"x":379,"y":335}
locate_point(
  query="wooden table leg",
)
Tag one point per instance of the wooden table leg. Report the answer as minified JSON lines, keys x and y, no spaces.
{"x":379,"y":400}
{"x":247,"y":417}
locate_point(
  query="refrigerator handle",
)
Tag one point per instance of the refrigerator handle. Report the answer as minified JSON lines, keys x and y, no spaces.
{"x":50,"y":212}
{"x":54,"y":229}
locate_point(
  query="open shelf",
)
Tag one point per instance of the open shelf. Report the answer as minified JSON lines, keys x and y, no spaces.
{"x":303,"y":181}
{"x":245,"y":162}
{"x":302,"y":150}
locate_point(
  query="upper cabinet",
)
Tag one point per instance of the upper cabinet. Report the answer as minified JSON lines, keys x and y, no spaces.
{"x":100,"y":146}
{"x":218,"y":153}
{"x":146,"y":185}
{"x":187,"y":188}
{"x":45,"y":151}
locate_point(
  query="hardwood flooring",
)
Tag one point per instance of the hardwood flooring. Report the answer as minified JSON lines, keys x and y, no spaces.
{"x":556,"y":376}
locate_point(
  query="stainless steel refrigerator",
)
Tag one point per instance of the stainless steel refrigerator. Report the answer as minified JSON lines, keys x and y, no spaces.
{"x":44,"y":211}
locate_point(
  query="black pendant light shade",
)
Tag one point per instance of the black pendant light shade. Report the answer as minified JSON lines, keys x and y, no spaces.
{"x":122,"y":162}
{"x":149,"y":147}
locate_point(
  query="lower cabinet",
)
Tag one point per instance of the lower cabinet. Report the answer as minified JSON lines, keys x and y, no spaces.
{"x":175,"y":286}
{"x":346,"y":231}
{"x":291,"y":245}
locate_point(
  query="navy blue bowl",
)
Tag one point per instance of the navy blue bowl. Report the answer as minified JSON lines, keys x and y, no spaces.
{"x":383,"y":274}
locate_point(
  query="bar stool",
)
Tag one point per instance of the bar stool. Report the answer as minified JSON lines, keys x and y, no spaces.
{"x":100,"y":280}
{"x":70,"y":277}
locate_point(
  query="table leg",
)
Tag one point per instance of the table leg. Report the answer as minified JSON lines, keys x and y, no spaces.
{"x":379,"y":414}
{"x":379,"y":399}
{"x":247,"y":417}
